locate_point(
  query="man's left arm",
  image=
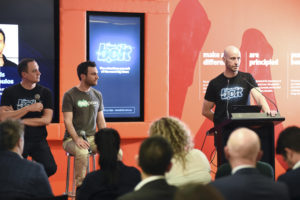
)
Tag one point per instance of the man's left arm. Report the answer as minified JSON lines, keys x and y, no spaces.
{"x":260,"y":99}
{"x":101,"y":120}
{"x":42,"y":121}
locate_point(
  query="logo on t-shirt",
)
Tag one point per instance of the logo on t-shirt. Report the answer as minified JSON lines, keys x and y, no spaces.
{"x":25,"y":102}
{"x":84,"y":103}
{"x":231,"y":93}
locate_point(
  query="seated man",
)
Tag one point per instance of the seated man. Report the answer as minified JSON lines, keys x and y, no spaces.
{"x":246,"y":182}
{"x":289,"y":147}
{"x":19,"y":178}
{"x":154,"y":159}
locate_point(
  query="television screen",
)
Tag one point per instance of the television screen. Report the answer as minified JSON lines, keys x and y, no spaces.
{"x":115,"y":42}
{"x":29,"y":29}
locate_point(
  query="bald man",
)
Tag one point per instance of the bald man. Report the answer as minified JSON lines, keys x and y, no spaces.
{"x":232,"y":87}
{"x":246,"y":182}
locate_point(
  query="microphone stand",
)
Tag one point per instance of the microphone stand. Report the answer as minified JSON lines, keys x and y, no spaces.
{"x":261,"y":94}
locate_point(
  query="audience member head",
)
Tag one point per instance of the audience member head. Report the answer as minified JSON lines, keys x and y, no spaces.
{"x":288,"y":145}
{"x":176,"y":133}
{"x":83,"y":68}
{"x":155,"y":156}
{"x":243,"y":148}
{"x":197,"y":191}
{"x":12,"y":136}
{"x":107,"y":141}
{"x":23,"y":65}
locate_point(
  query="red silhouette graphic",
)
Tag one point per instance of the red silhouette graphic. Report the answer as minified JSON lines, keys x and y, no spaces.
{"x":188,"y":30}
{"x":254,"y":41}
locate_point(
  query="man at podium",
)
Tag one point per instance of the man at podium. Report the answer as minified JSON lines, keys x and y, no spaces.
{"x":232,"y":87}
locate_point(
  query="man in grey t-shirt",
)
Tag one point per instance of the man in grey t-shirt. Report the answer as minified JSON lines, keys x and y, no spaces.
{"x":83,"y":110}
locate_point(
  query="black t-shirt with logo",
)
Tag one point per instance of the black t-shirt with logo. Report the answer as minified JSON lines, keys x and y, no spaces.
{"x":225,"y":92}
{"x":19,"y":97}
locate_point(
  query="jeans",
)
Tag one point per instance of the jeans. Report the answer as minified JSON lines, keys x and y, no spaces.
{"x":81,"y":157}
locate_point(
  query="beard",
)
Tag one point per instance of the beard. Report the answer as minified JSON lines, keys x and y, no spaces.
{"x":91,"y":83}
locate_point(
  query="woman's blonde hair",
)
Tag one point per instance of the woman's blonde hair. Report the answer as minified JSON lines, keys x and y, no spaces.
{"x":176,"y":132}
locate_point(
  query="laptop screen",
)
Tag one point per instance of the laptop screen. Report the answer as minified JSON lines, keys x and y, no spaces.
{"x":245,"y":108}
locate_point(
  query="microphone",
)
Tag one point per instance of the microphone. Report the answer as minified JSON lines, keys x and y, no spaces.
{"x":83,"y":135}
{"x":227,"y":112}
{"x":37,"y":98}
{"x":244,"y":78}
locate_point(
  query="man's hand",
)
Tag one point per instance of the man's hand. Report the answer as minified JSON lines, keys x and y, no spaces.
{"x":36,"y":107}
{"x":272,"y":113}
{"x":81,"y":143}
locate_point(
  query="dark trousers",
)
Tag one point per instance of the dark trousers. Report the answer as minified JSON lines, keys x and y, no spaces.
{"x":41,"y":153}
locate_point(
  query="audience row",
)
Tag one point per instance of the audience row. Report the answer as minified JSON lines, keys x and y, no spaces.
{"x":170,"y":167}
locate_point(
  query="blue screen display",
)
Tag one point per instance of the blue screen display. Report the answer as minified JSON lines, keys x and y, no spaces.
{"x":115,"y":44}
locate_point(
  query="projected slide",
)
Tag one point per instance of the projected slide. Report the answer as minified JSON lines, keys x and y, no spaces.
{"x":31,"y":31}
{"x":9,"y":53}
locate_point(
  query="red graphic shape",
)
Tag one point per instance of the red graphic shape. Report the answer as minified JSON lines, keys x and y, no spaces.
{"x":255,"y":42}
{"x":188,"y":30}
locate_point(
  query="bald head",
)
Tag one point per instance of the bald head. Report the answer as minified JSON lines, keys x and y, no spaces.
{"x":231,"y":50}
{"x":243,"y":146}
{"x":232,"y":61}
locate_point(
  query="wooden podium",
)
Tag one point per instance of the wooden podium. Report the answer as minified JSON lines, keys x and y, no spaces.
{"x":261,"y":123}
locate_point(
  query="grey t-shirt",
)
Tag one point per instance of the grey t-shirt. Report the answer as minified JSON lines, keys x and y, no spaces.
{"x":85,"y":107}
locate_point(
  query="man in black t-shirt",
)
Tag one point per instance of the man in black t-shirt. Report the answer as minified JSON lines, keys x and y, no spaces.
{"x":32,"y":103}
{"x":231,"y":87}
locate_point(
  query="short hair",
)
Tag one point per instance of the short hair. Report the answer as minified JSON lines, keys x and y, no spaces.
{"x":2,"y":32}
{"x":83,"y":68}
{"x":10,"y":133}
{"x":288,"y":138}
{"x":23,"y":65}
{"x":155,"y":155}
{"x":197,"y":191}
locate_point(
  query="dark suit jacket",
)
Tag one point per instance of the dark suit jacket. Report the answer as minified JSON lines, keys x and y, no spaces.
{"x":249,"y":184}
{"x":94,"y":185}
{"x":22,"y":178}
{"x":154,"y":190}
{"x":292,"y":179}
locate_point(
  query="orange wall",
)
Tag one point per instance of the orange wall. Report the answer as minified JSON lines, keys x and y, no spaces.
{"x":73,"y":51}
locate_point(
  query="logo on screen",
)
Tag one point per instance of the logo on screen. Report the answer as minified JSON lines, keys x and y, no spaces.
{"x":231,"y":93}
{"x":114,"y":52}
